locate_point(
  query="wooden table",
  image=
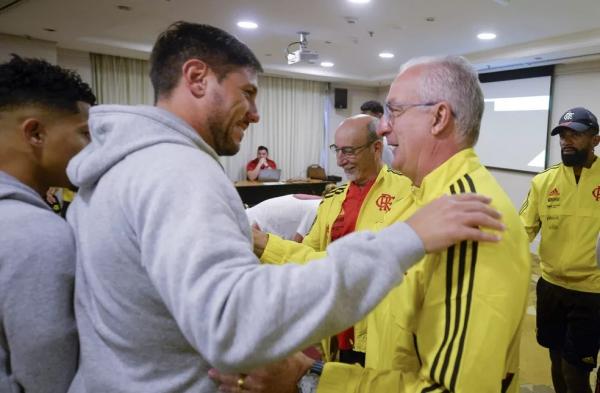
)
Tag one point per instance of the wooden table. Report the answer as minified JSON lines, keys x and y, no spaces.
{"x":254,"y":192}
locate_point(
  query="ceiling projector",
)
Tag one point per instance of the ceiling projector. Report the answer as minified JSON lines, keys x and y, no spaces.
{"x":302,"y":53}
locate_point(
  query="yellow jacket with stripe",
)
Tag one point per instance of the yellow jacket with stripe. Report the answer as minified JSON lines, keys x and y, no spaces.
{"x":384,"y":203}
{"x":453,"y":325}
{"x":568,"y":214}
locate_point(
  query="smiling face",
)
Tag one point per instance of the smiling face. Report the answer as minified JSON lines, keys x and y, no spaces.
{"x":364,"y":164}
{"x":232,"y":108}
{"x":408,"y":128}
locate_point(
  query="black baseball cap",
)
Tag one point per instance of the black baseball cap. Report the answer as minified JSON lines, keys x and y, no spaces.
{"x":577,"y":119}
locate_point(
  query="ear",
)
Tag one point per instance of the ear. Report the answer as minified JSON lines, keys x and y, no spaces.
{"x":596,"y":140}
{"x":34,"y":132}
{"x":378,"y":145}
{"x":441,"y":118}
{"x":195,"y":76}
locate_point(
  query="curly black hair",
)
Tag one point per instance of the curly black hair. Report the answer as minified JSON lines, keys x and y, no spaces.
{"x":372,"y":106}
{"x":25,"y":81}
{"x":182,"y":41}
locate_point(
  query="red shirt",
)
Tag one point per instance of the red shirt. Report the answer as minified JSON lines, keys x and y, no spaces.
{"x":343,"y":225}
{"x":251,"y":165}
{"x":346,"y":220}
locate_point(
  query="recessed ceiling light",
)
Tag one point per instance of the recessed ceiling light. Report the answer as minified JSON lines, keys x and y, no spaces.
{"x":359,"y":1}
{"x":246,"y":24}
{"x":486,"y":36}
{"x":386,"y":55}
{"x":326,"y":64}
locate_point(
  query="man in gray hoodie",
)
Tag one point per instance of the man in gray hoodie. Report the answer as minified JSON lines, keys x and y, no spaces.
{"x":43,"y":123}
{"x":167,"y":282}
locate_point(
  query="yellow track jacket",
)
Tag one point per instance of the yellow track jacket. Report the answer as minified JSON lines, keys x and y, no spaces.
{"x":568,"y":214}
{"x":383,"y":205}
{"x":453,"y":325}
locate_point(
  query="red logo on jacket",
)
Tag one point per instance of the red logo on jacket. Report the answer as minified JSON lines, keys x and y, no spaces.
{"x":384,"y":202}
{"x":596,"y":193}
{"x":554,"y":192}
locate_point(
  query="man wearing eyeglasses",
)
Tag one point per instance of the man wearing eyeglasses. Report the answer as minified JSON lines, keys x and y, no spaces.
{"x":453,"y":325}
{"x":372,"y":199}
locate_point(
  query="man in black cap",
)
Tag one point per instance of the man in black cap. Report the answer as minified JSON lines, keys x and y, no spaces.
{"x":564,"y":202}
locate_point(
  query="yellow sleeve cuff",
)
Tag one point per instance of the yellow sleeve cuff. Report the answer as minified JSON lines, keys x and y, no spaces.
{"x":275,"y":250}
{"x":279,"y":251}
{"x":339,"y":378}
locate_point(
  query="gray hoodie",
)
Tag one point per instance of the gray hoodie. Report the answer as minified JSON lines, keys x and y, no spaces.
{"x":38,"y":340}
{"x":167,"y":283}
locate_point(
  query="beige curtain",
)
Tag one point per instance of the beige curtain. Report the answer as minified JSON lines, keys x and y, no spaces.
{"x":120,"y":80}
{"x":291,"y":126}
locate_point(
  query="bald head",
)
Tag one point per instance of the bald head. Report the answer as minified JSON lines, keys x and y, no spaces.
{"x":359,"y":148}
{"x":359,"y":125}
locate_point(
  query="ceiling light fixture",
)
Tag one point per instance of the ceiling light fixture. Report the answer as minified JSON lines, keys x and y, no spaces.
{"x":359,"y":1}
{"x":386,"y":55}
{"x":326,"y":64}
{"x":246,"y":24}
{"x":486,"y":36}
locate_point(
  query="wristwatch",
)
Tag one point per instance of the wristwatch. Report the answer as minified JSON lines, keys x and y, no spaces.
{"x":308,"y":383}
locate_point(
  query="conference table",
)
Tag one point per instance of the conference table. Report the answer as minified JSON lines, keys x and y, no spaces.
{"x":254,"y":192}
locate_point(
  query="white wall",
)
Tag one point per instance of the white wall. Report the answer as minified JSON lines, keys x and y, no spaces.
{"x":77,"y":61}
{"x":26,"y":47}
{"x":382,"y":92}
{"x":30,"y":47}
{"x":516,"y":184}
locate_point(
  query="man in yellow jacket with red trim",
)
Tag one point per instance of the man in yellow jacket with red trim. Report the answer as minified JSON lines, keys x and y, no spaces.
{"x":374,"y":197}
{"x":454,"y":324}
{"x":564,"y":203}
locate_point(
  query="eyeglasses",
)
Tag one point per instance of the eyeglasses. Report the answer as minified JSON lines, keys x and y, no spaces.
{"x":392,"y":112}
{"x":349,"y":150}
